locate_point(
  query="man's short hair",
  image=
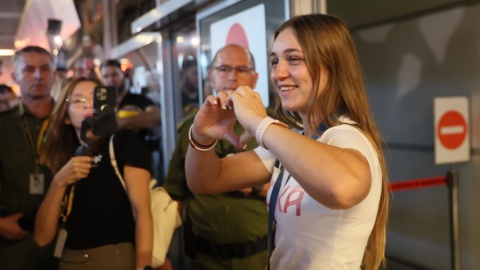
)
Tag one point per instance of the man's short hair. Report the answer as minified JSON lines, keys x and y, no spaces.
{"x":252,"y":59}
{"x":111,"y":63}
{"x":31,"y":49}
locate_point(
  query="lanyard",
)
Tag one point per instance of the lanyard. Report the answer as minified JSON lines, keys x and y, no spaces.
{"x":272,"y":223}
{"x":67,"y":204}
{"x":35,"y":150}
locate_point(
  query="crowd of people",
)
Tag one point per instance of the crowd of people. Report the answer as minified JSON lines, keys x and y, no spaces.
{"x":303,"y":186}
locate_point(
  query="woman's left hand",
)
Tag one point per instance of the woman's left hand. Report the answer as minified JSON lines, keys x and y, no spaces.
{"x":248,"y":107}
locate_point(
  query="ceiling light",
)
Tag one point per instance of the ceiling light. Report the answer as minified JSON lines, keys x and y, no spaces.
{"x":6,"y":52}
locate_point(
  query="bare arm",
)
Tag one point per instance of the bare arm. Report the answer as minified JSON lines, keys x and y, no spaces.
{"x":137,"y":181}
{"x":207,"y":174}
{"x":338,"y":178}
{"x":150,"y":118}
{"x":46,"y":222}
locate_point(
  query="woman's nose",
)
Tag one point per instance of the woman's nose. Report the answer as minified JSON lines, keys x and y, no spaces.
{"x":279,"y":71}
{"x":88,"y":103}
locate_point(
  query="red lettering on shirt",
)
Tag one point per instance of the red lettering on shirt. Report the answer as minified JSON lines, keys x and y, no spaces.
{"x":279,"y":205}
{"x":294,"y":202}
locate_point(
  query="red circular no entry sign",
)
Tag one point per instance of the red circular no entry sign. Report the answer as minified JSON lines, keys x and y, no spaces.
{"x":452,"y":129}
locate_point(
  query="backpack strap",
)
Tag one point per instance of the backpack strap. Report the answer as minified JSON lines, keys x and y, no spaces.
{"x":113,"y":161}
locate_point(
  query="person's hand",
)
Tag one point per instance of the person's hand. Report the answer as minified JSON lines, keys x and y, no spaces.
{"x":214,"y":121}
{"x":249,"y":110}
{"x":76,"y":168}
{"x":246,"y":191}
{"x":9,"y":228}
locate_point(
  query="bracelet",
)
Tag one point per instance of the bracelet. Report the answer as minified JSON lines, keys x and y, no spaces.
{"x":264,"y":124}
{"x":199,"y":147}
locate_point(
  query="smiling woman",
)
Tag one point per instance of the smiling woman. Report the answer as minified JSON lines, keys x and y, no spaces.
{"x":330,"y":168}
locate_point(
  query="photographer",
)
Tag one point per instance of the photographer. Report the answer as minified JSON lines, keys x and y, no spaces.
{"x":102,"y":227}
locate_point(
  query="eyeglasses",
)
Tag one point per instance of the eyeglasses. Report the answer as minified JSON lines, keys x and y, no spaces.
{"x":79,"y":101}
{"x":225,"y":70}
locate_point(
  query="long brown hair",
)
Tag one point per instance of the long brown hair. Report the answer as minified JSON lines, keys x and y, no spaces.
{"x":61,"y":139}
{"x":326,"y":40}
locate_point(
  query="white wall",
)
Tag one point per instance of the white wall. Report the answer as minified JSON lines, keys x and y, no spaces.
{"x":407,"y":63}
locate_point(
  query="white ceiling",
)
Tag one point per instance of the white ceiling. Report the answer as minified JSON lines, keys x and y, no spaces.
{"x":26,"y":22}
{"x":10,"y":15}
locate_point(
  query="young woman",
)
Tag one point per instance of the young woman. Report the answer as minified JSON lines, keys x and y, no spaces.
{"x":332,"y":204}
{"x":105,"y":227}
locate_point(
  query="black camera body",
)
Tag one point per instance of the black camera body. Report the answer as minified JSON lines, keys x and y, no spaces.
{"x":104,"y":113}
{"x":103,"y":122}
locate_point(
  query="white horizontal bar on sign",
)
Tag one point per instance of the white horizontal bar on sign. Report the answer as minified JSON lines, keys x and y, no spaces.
{"x":156,"y":14}
{"x":452,"y":130}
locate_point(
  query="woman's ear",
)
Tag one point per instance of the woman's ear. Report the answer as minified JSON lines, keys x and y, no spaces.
{"x":67,"y":120}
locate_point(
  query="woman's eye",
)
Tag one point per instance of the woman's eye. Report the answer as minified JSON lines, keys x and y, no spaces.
{"x":294,"y":60}
{"x":77,"y":100}
{"x":274,"y":62}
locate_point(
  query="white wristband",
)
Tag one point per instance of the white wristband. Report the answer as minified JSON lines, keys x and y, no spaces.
{"x":264,"y":124}
{"x":199,"y":147}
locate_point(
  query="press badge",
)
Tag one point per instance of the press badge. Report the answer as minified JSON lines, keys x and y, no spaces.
{"x":61,"y":238}
{"x":37,"y":183}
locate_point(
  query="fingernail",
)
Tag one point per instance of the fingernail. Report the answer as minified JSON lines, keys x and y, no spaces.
{"x":244,"y":147}
{"x":223,"y":106}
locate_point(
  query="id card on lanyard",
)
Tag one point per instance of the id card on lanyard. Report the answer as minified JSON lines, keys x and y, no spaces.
{"x":36,"y":179}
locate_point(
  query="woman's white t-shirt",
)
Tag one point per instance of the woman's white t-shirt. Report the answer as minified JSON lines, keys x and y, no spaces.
{"x":312,"y":236}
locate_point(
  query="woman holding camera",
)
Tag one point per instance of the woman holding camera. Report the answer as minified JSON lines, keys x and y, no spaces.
{"x":102,"y":226}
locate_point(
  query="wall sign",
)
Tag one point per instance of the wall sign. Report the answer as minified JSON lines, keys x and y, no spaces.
{"x":452,"y":140}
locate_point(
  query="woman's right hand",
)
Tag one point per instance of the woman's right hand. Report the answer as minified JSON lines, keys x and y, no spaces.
{"x":213,"y":121}
{"x":76,"y":168}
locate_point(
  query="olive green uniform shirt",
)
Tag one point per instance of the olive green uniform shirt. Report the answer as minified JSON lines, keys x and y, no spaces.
{"x":17,"y":163}
{"x":224,"y":218}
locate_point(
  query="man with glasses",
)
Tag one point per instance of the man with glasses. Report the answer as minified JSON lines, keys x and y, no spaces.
{"x":224,"y":231}
{"x":23,"y":181}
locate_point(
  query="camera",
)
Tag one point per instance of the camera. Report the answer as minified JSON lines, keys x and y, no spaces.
{"x":104,"y":103}
{"x":103,"y":121}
